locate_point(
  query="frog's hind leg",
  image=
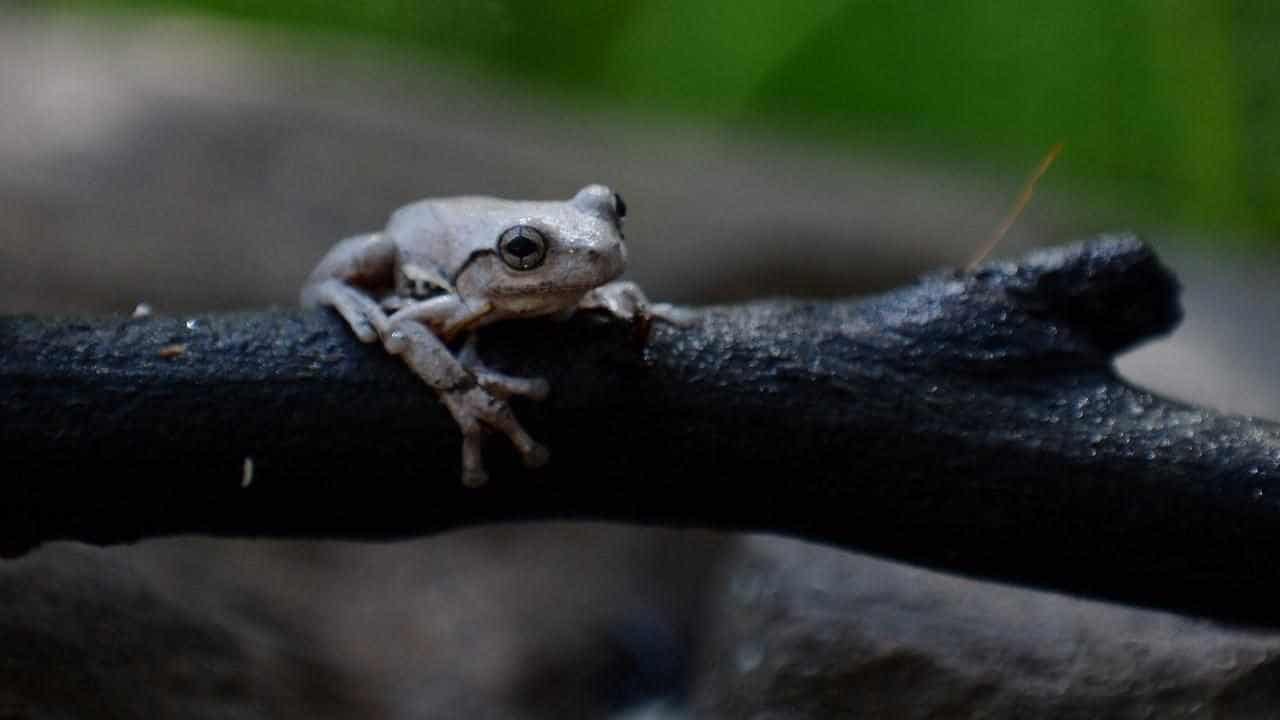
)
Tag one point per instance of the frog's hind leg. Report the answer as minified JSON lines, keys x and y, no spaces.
{"x":501,"y":385}
{"x":473,"y":405}
{"x":361,"y":312}
{"x":342,"y":277}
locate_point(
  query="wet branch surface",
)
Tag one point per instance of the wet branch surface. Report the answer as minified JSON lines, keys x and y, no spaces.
{"x":970,"y":422}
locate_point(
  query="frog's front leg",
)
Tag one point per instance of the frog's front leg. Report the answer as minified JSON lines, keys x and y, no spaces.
{"x":625,"y":300}
{"x":413,"y":336}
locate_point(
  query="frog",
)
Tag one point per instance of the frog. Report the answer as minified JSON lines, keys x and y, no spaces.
{"x":442,"y":268}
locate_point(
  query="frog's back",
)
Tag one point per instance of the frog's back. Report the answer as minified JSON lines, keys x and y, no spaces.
{"x":445,"y":232}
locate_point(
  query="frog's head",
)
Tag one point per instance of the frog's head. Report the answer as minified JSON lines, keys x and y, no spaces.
{"x":546,"y":255}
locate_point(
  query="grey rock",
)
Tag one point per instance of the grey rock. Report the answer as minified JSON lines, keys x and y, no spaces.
{"x":86,"y":632}
{"x":803,"y":632}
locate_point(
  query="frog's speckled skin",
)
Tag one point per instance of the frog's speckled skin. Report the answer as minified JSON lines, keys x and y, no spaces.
{"x":445,"y":266}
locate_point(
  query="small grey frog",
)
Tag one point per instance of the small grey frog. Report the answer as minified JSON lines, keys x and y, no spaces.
{"x":445,"y":266}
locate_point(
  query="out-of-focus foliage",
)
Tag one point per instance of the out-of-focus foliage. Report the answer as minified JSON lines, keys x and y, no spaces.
{"x":1172,"y":109}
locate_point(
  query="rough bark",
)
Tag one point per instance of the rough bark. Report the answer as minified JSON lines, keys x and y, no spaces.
{"x":971,"y":422}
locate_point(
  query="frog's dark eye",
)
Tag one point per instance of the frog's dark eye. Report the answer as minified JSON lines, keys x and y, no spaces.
{"x":619,"y":207}
{"x":522,"y":247}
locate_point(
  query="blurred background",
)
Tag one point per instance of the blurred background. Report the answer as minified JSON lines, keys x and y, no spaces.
{"x":202,"y":155}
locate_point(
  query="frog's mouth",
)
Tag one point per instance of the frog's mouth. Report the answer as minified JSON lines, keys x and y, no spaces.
{"x":547,"y":289}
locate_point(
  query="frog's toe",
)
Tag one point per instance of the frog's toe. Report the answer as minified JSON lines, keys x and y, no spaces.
{"x":532,"y":388}
{"x":365,"y":332}
{"x":539,"y":389}
{"x":531,"y":452}
{"x":672,"y":315}
{"x":623,"y":299}
{"x":536,"y":456}
{"x":506,"y":386}
{"x":473,"y":472}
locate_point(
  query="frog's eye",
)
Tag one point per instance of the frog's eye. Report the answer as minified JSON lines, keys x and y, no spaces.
{"x":522,"y":247}
{"x":619,"y":207}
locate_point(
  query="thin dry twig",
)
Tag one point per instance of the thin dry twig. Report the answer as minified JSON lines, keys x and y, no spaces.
{"x":1020,"y":204}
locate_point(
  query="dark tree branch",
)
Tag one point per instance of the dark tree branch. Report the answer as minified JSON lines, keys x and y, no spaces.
{"x":970,"y":422}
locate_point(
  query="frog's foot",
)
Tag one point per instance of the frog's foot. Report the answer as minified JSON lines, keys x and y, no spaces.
{"x":475,"y":409}
{"x":499,"y":384}
{"x":627,"y":301}
{"x":366,"y":319}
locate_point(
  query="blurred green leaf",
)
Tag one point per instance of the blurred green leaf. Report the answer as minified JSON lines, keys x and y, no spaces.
{"x":1173,"y":108}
